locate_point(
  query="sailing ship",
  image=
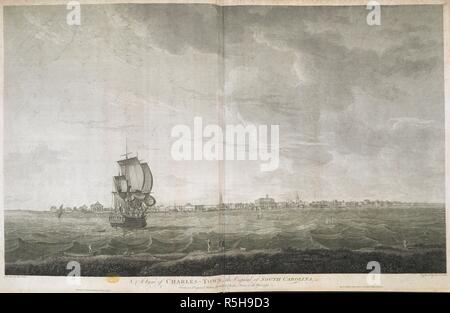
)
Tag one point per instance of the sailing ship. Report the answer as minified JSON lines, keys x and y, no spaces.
{"x":131,"y":194}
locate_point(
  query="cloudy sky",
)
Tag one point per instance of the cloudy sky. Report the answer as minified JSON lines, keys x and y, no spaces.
{"x":360,"y":108}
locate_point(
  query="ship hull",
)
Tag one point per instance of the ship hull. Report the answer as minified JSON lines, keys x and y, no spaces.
{"x":117,"y":220}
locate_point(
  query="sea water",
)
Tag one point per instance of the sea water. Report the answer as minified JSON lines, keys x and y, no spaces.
{"x":34,"y":235}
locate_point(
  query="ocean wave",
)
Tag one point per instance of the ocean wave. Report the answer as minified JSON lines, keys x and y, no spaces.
{"x":38,"y":236}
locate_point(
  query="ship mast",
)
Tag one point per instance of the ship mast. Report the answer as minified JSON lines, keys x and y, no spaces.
{"x":126,"y":149}
{"x":126,"y":158}
{"x":125,"y":168}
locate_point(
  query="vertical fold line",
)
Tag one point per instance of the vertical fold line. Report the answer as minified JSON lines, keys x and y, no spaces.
{"x":221,"y":122}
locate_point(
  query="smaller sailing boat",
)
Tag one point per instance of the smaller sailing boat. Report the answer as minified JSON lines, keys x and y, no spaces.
{"x":131,"y":195}
{"x":60,"y":211}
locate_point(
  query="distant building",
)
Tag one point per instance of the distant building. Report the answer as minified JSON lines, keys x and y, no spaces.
{"x":188,"y":207}
{"x":97,"y":207}
{"x":173,"y":208}
{"x":239,"y":206}
{"x":265,"y":203}
{"x":199,"y":207}
{"x":210,"y":207}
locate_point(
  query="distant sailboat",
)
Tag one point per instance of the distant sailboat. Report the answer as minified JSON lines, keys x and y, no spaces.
{"x":60,"y":211}
{"x":131,"y":194}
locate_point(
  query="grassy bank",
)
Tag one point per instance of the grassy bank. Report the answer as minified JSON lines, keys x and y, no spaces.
{"x":236,"y":262}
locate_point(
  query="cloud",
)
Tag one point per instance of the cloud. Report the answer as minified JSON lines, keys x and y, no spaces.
{"x":271,"y":45}
{"x":360,"y":109}
{"x":330,"y":80}
{"x":173,"y":28}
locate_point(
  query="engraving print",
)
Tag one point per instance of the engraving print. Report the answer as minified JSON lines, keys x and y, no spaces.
{"x":197,"y":140}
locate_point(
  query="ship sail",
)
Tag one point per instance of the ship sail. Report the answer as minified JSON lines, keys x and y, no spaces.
{"x":120,"y":183}
{"x":132,"y":170}
{"x":119,"y":203}
{"x":148,"y":178}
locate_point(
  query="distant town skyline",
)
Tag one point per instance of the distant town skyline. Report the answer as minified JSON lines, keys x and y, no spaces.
{"x":99,"y":207}
{"x":360,"y":108}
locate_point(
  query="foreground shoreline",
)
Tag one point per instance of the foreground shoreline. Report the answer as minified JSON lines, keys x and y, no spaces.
{"x":287,"y":261}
